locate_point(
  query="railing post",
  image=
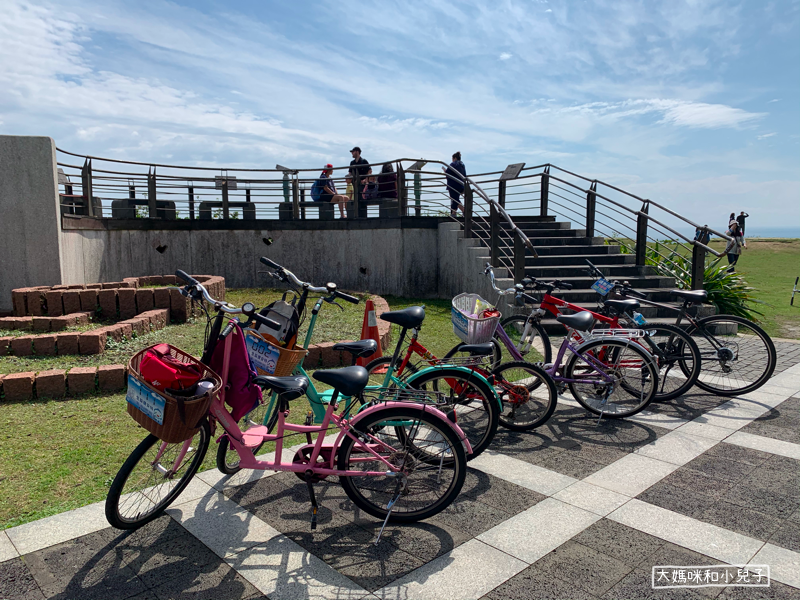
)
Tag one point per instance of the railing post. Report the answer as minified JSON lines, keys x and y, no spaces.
{"x":519,"y":258}
{"x":247,"y":195}
{"x":356,"y":194}
{"x":191,"y":203}
{"x":641,"y":236}
{"x":501,"y":193}
{"x":494,"y":223}
{"x":467,"y":210}
{"x":295,"y":198}
{"x":303,"y":203}
{"x":151,"y":194}
{"x":86,"y":183}
{"x":698,"y":266}
{"x":225,"y":206}
{"x":544,"y":191}
{"x":418,"y":194}
{"x":402,"y":191}
{"x":591,"y":204}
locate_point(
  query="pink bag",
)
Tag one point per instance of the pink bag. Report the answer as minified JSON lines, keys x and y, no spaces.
{"x":242,"y":395}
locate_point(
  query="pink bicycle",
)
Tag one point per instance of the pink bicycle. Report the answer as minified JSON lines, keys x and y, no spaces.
{"x":397,"y":459}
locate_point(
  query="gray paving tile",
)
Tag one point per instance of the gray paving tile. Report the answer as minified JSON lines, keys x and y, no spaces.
{"x":672,"y":554}
{"x":221,"y":582}
{"x":16,"y":581}
{"x":571,"y":465}
{"x":739,"y":454}
{"x":637,"y":585}
{"x":766,"y":501}
{"x":721,"y":468}
{"x":7,"y":549}
{"x":783,"y":482}
{"x":767,"y":429}
{"x":759,"y":442}
{"x":496,"y":492}
{"x":775,"y":591}
{"x":698,"y":482}
{"x":171,"y":559}
{"x":678,"y":499}
{"x":471,"y":517}
{"x":590,"y":497}
{"x":619,"y":541}
{"x":533,"y":584}
{"x":632,"y":474}
{"x":742,"y":520}
{"x":787,"y":536}
{"x":425,"y":540}
{"x":583,"y":567}
{"x":784,"y":565}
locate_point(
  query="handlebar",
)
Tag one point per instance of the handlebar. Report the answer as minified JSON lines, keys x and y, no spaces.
{"x":594,"y":270}
{"x":489,"y":271}
{"x":286,"y":275}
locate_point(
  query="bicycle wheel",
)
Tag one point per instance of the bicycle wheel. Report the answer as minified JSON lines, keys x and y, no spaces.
{"x":432,"y":458}
{"x":528,"y":393}
{"x":228,"y":458}
{"x":377,"y":370}
{"x":472,"y":402}
{"x":678,"y":359}
{"x":147,"y":483}
{"x":738,"y":356}
{"x":529,"y":338}
{"x":634,"y":373}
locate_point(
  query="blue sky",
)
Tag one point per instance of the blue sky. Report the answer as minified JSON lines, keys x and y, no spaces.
{"x":693,"y":104}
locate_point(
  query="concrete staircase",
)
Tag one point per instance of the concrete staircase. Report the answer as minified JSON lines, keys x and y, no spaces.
{"x":562,"y":255}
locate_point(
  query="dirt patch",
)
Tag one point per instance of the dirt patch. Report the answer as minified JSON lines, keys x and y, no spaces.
{"x":789,"y":329}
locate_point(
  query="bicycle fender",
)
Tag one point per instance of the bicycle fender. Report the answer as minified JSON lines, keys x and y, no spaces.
{"x":469,"y":372}
{"x":424,"y":407}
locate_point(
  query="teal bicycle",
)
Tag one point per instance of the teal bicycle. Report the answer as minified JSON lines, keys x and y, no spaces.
{"x":464,"y":395}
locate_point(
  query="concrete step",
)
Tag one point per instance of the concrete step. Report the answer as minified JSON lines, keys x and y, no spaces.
{"x":553,"y":232}
{"x":566,"y":241}
{"x":520,"y":219}
{"x":598,"y":260}
{"x":618,"y":271}
{"x":636,"y":281}
{"x":533,"y":227}
{"x":578,"y":250}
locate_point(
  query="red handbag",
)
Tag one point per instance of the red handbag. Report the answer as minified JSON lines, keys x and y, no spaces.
{"x":164,"y":372}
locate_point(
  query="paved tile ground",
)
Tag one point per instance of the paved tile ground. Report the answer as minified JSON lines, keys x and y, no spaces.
{"x":578,"y":509}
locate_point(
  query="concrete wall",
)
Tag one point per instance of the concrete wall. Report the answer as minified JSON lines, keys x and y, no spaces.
{"x":30,"y":226}
{"x":382,"y":261}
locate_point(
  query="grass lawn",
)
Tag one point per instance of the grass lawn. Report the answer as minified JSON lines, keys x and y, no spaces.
{"x":771,"y":266}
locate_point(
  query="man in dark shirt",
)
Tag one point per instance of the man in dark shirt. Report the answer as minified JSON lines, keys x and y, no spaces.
{"x":359,"y":169}
{"x":740,"y":219}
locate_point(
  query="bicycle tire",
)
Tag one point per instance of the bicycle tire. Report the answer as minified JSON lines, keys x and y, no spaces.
{"x":479,"y":431}
{"x":437,"y":432}
{"x":619,"y":349}
{"x":683,"y":354}
{"x":228,"y":459}
{"x":513,"y":396}
{"x":514,"y":326}
{"x":761,"y":348}
{"x":117,"y":497}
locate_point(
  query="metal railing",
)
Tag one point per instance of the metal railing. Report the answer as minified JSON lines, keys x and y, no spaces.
{"x":406,"y":187}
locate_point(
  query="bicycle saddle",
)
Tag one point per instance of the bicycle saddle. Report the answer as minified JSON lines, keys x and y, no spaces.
{"x":288,"y":388}
{"x":582,"y":321}
{"x":348,"y":381}
{"x":696,"y":296}
{"x":477,"y":349}
{"x":360,"y":349}
{"x":621,"y":306}
{"x":408,"y":318}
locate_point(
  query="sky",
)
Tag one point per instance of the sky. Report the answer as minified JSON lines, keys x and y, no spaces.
{"x":695,"y":105}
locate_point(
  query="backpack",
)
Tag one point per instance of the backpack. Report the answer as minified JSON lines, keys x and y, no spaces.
{"x":241,"y":395}
{"x":285,"y":314}
{"x":316,"y":190}
{"x":370,"y":190}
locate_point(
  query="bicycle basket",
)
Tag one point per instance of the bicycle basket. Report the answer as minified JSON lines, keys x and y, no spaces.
{"x":169,"y":415}
{"x":269,"y":359}
{"x":467,"y":324}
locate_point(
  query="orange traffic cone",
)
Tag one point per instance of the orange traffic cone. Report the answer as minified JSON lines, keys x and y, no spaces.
{"x":369,"y":331}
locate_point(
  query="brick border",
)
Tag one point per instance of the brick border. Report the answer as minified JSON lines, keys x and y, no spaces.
{"x":116,"y":299}
{"x":57,"y":383}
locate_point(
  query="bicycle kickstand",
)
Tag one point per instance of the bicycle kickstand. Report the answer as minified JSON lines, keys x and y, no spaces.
{"x":314,"y":506}
{"x":390,"y":506}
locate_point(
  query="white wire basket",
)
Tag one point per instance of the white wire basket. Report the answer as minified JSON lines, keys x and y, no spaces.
{"x":470,"y":328}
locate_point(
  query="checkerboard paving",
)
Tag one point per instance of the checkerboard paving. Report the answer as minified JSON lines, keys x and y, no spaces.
{"x":577,"y":509}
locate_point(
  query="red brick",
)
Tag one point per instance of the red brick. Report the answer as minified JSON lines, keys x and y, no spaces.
{"x":8,"y":322}
{"x":111,"y":377}
{"x":5,"y":342}
{"x":126,"y":328}
{"x":22,"y":346}
{"x":92,"y":342}
{"x":108,"y":304}
{"x":138,"y":326}
{"x":41,"y":323}
{"x":83,"y":318}
{"x":161,"y":297}
{"x":169,"y":280}
{"x":145,"y":281}
{"x":127,"y":303}
{"x":115,"y":332}
{"x":94,"y":286}
{"x":112,"y":285}
{"x":144,"y":300}
{"x":51,"y":384}
{"x":34,"y":301}
{"x":61,"y":323}
{"x":72,"y":301}
{"x":311,"y":361}
{"x":88,"y":301}
{"x":18,"y":299}
{"x":18,"y":386}
{"x":81,"y":380}
{"x":132,"y":282}
{"x":178,"y":305}
{"x":160,"y":318}
{"x":44,"y":345}
{"x":23,"y":323}
{"x":55,"y":305}
{"x":67,"y":343}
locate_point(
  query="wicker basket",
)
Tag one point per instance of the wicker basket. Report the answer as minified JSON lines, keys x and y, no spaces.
{"x":173,"y":428}
{"x":269,"y":359}
{"x":468,"y":328}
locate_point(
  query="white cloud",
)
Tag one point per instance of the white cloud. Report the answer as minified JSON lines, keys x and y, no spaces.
{"x":766,"y":135}
{"x":505,"y":56}
{"x":774,"y":100}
